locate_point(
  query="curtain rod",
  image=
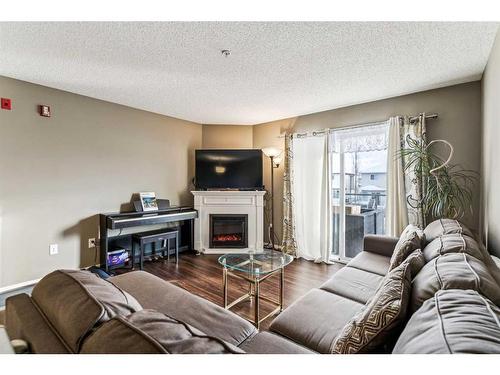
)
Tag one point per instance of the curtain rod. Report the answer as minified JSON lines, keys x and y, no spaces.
{"x":430,"y":116}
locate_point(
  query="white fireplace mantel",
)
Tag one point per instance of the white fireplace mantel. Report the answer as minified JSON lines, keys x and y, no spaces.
{"x":250,"y":203}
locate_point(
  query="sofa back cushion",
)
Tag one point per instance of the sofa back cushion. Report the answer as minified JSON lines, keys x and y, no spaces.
{"x":453,"y":321}
{"x":74,"y":302}
{"x":24,"y":321}
{"x":452,"y":243}
{"x":151,"y":332}
{"x":445,"y":226}
{"x":379,"y":321}
{"x":453,"y":271}
{"x":410,"y":240}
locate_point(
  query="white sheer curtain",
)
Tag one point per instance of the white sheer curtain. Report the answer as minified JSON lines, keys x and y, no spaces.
{"x":372,"y":137}
{"x":311,"y":197}
{"x":397,"y":211}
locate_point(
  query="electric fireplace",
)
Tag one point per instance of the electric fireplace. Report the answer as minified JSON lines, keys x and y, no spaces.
{"x":228,"y":231}
{"x":244,"y":207}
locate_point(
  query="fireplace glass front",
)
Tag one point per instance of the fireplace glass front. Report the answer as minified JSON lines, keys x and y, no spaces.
{"x":228,"y":231}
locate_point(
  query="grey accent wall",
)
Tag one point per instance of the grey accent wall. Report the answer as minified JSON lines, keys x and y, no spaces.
{"x":490,"y":186}
{"x":58,"y":173}
{"x":459,"y":122}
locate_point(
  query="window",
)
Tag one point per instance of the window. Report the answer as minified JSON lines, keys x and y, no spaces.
{"x":358,"y":159}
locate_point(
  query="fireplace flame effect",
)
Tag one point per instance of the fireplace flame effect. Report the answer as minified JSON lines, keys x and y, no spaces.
{"x":227,"y":237}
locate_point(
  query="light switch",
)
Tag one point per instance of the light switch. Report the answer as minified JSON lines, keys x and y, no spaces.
{"x":53,"y":249}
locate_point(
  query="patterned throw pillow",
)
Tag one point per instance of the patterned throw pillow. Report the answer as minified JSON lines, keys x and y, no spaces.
{"x":381,"y":317}
{"x":410,"y":240}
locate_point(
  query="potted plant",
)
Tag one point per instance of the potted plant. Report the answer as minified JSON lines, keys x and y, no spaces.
{"x":444,"y":190}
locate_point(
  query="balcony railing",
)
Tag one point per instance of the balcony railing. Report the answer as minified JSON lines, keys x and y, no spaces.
{"x":365,"y":200}
{"x":370,"y":220}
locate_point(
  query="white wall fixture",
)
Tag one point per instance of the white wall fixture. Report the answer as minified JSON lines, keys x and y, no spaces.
{"x":219,"y":202}
{"x":53,"y":249}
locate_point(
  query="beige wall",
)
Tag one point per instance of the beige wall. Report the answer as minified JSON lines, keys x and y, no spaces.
{"x":490,"y":228}
{"x":227,"y":136}
{"x":58,"y":173}
{"x":459,"y":109}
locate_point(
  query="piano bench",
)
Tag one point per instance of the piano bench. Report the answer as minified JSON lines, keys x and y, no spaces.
{"x":152,"y":237}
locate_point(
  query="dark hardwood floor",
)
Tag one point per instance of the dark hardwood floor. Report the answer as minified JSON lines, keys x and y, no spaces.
{"x":202,"y":275}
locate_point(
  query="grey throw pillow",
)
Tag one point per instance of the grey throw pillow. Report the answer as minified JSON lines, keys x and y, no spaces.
{"x":409,"y":241}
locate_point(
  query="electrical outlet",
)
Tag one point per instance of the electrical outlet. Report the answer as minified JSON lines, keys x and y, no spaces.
{"x":91,"y":243}
{"x":53,"y":249}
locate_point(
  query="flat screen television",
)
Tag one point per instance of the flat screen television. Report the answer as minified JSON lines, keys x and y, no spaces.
{"x":229,"y":169}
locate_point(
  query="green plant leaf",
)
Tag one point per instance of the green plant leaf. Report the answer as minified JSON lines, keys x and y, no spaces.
{"x":447,"y":192}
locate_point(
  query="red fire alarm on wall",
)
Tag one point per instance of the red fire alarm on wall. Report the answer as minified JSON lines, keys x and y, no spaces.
{"x":6,"y":104}
{"x":44,"y":110}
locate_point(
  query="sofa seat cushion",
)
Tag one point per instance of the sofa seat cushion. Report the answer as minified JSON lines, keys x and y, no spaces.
{"x":445,"y":226}
{"x":411,"y":239}
{"x":315,"y":319}
{"x":452,"y":243}
{"x":354,"y":284}
{"x":151,"y":332}
{"x":371,"y":262}
{"x":453,"y":271}
{"x":453,"y":321}
{"x":271,"y":343}
{"x":75,"y":302}
{"x":155,"y":293}
{"x":378,"y":323}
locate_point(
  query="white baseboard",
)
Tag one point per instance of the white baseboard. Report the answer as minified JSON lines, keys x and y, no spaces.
{"x":25,"y":284}
{"x":13,"y":287}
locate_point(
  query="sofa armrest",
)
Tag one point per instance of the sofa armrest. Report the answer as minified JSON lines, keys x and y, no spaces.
{"x":379,"y":244}
{"x":24,"y":321}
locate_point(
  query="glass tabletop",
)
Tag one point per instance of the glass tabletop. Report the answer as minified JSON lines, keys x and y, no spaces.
{"x":257,"y":263}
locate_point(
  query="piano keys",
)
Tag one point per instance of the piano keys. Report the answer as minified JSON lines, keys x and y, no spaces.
{"x":134,"y":219}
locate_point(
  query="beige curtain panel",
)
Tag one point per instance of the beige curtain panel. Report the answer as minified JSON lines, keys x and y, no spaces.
{"x":404,"y":185}
{"x":288,"y":244}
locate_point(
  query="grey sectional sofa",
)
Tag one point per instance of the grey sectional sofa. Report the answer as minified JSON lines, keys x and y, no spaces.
{"x":455,"y":296}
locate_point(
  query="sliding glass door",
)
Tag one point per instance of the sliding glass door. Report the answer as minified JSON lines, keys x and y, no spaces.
{"x":358,"y":170}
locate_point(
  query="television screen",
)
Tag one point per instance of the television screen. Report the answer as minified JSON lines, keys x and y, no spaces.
{"x":229,"y":169}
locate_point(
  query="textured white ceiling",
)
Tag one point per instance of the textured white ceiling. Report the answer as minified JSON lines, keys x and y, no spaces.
{"x":276,"y":70}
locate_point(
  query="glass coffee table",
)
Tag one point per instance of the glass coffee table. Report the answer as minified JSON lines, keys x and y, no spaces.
{"x":255,"y":268}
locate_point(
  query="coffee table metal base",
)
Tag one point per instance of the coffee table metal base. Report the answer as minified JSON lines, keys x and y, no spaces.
{"x":254,"y":292}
